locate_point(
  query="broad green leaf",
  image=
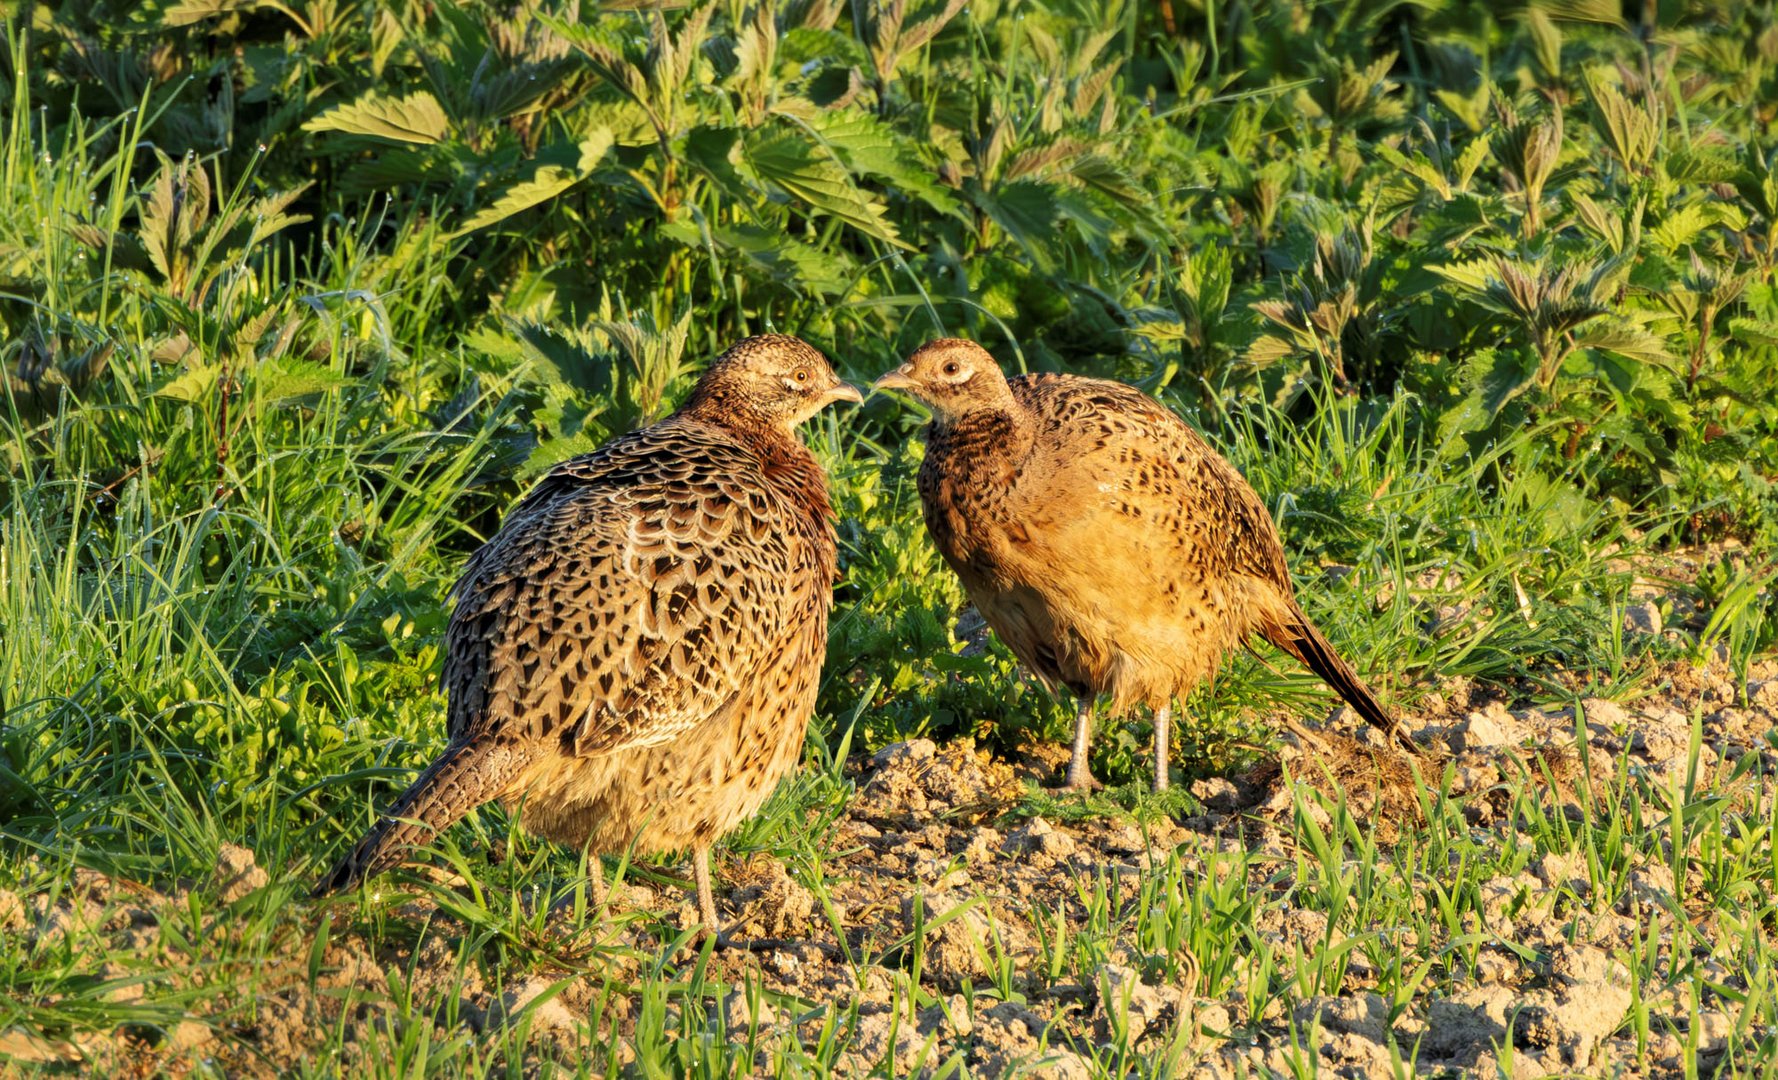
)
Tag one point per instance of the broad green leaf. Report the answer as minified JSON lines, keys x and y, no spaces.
{"x":1028,"y":211}
{"x":869,"y":146}
{"x":1606,"y":12}
{"x":285,"y":380}
{"x":779,"y":258}
{"x":191,"y":384}
{"x":1473,"y":276}
{"x":1702,"y":165}
{"x":1688,"y":223}
{"x":417,"y":118}
{"x":191,"y":12}
{"x":1755,"y":332}
{"x":1546,"y":40}
{"x":1496,"y":377}
{"x":1624,"y":340}
{"x":1417,"y":166}
{"x":1470,"y":160}
{"x":545,"y":183}
{"x":811,"y":175}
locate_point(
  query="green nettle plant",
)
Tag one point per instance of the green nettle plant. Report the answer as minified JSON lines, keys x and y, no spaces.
{"x":1554,"y":219}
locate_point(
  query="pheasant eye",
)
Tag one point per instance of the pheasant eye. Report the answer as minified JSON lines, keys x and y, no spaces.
{"x":951,"y":367}
{"x":802,"y":375}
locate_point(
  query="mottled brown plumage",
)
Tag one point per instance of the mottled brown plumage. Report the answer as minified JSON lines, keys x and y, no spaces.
{"x":1105,"y":542}
{"x":633,"y":657}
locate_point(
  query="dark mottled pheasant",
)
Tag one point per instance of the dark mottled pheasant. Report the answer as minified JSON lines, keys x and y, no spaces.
{"x":1105,"y":542}
{"x":634,"y":655}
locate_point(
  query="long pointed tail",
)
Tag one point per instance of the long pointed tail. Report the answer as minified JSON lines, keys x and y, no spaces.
{"x":466,"y":776}
{"x":1300,"y":638}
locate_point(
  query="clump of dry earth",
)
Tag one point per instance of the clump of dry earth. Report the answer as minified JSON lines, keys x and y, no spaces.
{"x":928,"y":839}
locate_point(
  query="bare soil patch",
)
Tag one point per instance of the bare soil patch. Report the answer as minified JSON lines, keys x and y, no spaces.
{"x":936,"y":876}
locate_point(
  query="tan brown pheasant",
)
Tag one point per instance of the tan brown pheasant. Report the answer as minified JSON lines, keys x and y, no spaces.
{"x":1103,"y":539}
{"x":633,"y":657}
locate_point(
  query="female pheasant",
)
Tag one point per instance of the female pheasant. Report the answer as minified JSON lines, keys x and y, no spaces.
{"x":1104,"y":541}
{"x":633,"y":657}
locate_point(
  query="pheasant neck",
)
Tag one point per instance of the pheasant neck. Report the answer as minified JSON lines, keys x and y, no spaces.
{"x":1003,"y":433}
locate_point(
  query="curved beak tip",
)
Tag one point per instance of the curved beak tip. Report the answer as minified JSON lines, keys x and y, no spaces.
{"x":846,"y":392}
{"x":896,"y":379}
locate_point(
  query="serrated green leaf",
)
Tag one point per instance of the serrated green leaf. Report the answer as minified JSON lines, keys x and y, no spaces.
{"x":191,"y":384}
{"x":1680,"y":227}
{"x":1028,"y":211}
{"x":811,"y":175}
{"x":1755,"y":332}
{"x":191,"y":12}
{"x":1470,"y":160}
{"x":869,"y":146}
{"x":1496,"y":377}
{"x":1473,"y":276}
{"x":1624,"y":340}
{"x":545,"y":183}
{"x":285,"y":380}
{"x":779,"y":258}
{"x":1417,"y":166}
{"x":417,"y":118}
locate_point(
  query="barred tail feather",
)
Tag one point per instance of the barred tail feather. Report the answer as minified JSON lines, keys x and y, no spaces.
{"x":1300,"y":638}
{"x":466,"y":776}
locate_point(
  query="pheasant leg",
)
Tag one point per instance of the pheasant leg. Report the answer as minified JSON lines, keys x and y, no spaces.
{"x":1080,"y":774}
{"x":1163,"y":722}
{"x":598,"y":892}
{"x":700,"y":865}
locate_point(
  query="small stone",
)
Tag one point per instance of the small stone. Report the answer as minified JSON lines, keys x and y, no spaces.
{"x":743,"y":1013}
{"x":1467,"y":1022}
{"x":1125,"y":999}
{"x":12,"y":910}
{"x":883,"y":1037}
{"x":957,"y":950}
{"x":1605,"y":713}
{"x":1679,"y":762}
{"x":236,"y":874}
{"x":547,"y":1017}
{"x":1568,"y":870}
{"x":1217,"y":793}
{"x":1487,"y":729}
{"x":1123,"y":838}
{"x":1366,"y":1016}
{"x":1648,"y":886}
{"x":1466,"y":779}
{"x":1496,"y":967}
{"x":1643,"y":619}
{"x":1714,"y":1029}
{"x":188,"y":1035}
{"x":1211,"y":1020}
{"x":950,"y":1016}
{"x":914,"y":750}
{"x":1059,"y":1065}
{"x":1763,"y":694}
{"x":775,"y":906}
{"x":1038,"y":836}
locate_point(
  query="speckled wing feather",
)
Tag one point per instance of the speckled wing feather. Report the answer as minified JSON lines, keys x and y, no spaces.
{"x":626,"y":600}
{"x":1112,"y":457}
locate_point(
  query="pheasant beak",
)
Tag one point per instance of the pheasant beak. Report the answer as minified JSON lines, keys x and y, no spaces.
{"x":898,"y":379}
{"x":845,"y":392}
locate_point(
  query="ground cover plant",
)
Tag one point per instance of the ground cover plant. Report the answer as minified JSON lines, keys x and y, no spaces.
{"x":297,"y":298}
